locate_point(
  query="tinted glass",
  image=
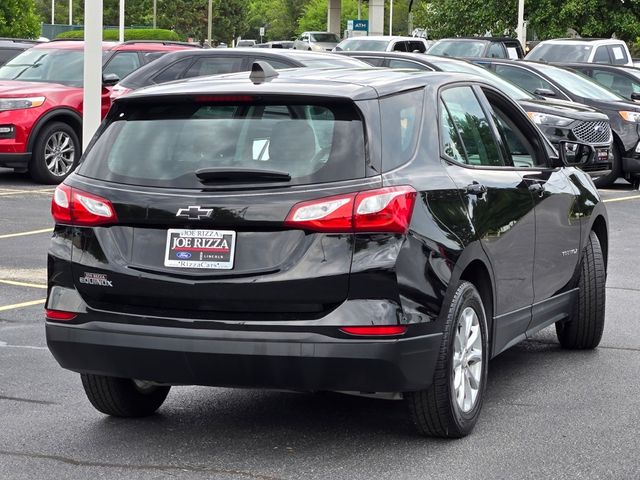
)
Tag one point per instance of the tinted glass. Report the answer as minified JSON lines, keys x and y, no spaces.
{"x":472,"y":126}
{"x":43,"y":65}
{"x":560,"y":52}
{"x":315,"y":60}
{"x":277,"y":64}
{"x":7,"y":54}
{"x":395,"y":63}
{"x":122,"y":64}
{"x":449,"y":139}
{"x":325,"y":37}
{"x":578,"y":83}
{"x":400,"y":47}
{"x":401,"y":120}
{"x":363,"y":44}
{"x":523,"y":78}
{"x":214,"y":66}
{"x":416,"y":47}
{"x":496,"y":51}
{"x":521,"y":152}
{"x":620,"y":84}
{"x":457,"y":48}
{"x":173,"y":71}
{"x":165,"y":145}
{"x":514,"y":91}
{"x":601,"y":55}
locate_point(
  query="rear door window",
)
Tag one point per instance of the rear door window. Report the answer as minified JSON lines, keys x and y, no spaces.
{"x":416,"y":47}
{"x":396,"y":63}
{"x":471,"y":126}
{"x":617,"y":54}
{"x":173,"y":71}
{"x":496,"y":50}
{"x":616,"y":82}
{"x":122,"y":64}
{"x":165,"y":145}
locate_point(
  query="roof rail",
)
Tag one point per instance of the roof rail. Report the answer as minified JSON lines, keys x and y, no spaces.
{"x":162,"y":42}
{"x":20,"y":40}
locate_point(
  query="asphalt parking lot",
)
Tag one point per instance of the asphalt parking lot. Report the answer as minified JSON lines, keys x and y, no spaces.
{"x":548,"y":413}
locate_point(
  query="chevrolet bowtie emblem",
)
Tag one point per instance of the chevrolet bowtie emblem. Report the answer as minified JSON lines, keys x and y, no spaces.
{"x":194,"y":212}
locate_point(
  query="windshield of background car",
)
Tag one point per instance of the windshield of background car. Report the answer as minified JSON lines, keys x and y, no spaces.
{"x":357,"y":44}
{"x":164,"y":145}
{"x":554,"y":52}
{"x":44,"y":65}
{"x":324,"y":37}
{"x":515,"y":92}
{"x":455,"y":48}
{"x":578,"y":84}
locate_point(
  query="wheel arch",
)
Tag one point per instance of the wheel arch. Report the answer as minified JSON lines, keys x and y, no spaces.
{"x":65,"y":115}
{"x":477,"y":273}
{"x":599,"y":227}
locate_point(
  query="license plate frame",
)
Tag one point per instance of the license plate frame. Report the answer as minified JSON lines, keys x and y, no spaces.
{"x":202,"y":249}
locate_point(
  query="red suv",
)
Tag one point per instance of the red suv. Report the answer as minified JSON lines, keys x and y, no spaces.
{"x":41,"y":102}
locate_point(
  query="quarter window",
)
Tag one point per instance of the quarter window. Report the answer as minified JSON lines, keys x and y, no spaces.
{"x":401,"y":119}
{"x":172,"y":72}
{"x":496,"y":51}
{"x":601,"y":55}
{"x":473,"y":128}
{"x":214,"y":66}
{"x":122,"y":64}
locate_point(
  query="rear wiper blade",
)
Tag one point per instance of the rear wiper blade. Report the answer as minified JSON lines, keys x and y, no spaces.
{"x":241,"y":174}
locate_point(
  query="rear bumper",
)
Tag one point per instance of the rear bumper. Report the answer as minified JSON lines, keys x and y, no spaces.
{"x":305,"y":361}
{"x":14,"y":160}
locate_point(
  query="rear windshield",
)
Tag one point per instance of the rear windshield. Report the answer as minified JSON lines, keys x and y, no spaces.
{"x":325,"y":37}
{"x":363,"y":44}
{"x":165,"y":145}
{"x":550,"y":52}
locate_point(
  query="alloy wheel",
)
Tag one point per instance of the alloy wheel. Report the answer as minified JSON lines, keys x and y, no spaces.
{"x":59,"y":153}
{"x":467,"y":360}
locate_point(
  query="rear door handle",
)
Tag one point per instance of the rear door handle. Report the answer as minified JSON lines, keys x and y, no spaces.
{"x":477,"y":189}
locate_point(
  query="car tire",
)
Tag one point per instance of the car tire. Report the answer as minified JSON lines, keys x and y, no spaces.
{"x":583,"y":329}
{"x":123,"y":397}
{"x":439,"y":410}
{"x":56,"y":153}
{"x":616,"y":169}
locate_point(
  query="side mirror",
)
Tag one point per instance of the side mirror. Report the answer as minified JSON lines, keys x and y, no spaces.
{"x":635,"y":96}
{"x":109,"y":79}
{"x":544,"y":92}
{"x":573,"y":154}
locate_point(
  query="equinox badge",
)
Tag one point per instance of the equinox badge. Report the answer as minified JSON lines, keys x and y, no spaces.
{"x":194,"y":212}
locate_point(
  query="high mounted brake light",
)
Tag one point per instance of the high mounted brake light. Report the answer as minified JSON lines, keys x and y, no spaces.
{"x":71,"y":206}
{"x":381,"y":210}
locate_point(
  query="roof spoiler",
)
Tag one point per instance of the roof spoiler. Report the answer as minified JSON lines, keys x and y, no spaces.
{"x":261,"y":72}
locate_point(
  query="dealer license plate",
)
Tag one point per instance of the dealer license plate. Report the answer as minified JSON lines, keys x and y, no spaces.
{"x":212,"y":249}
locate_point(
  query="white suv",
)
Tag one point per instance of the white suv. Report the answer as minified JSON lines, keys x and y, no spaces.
{"x":584,"y":50}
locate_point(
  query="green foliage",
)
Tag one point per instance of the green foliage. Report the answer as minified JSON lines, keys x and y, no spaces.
{"x":314,"y":15}
{"x":547,"y":18}
{"x":18,"y":19}
{"x":129,"y":34}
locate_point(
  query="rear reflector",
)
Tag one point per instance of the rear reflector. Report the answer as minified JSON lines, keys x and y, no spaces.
{"x":60,"y":315}
{"x":75,"y":207}
{"x":381,"y":210}
{"x":376,"y":330}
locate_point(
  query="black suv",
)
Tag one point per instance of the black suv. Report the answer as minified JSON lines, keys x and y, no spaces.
{"x":558,"y":83}
{"x":354,"y":230}
{"x":563,"y":123}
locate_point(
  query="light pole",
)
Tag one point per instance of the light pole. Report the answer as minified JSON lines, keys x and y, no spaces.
{"x":521,"y":23}
{"x":155,"y":12}
{"x":70,"y":12}
{"x":92,"y":70}
{"x":121,"y":23}
{"x":209,"y":22}
{"x":390,"y":17}
{"x":53,"y":12}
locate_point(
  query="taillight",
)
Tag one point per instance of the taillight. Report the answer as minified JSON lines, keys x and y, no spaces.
{"x":376,"y":330}
{"x":381,"y":210}
{"x":75,"y":207}
{"x":59,"y":315}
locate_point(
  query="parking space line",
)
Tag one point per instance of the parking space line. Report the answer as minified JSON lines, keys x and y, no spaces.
{"x":23,"y":284}
{"x":23,"y":304}
{"x":32,"y":232}
{"x":621,"y":199}
{"x":23,"y":192}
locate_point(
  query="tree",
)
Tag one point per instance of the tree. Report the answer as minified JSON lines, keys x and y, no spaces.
{"x":314,"y":16}
{"x":18,"y":18}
